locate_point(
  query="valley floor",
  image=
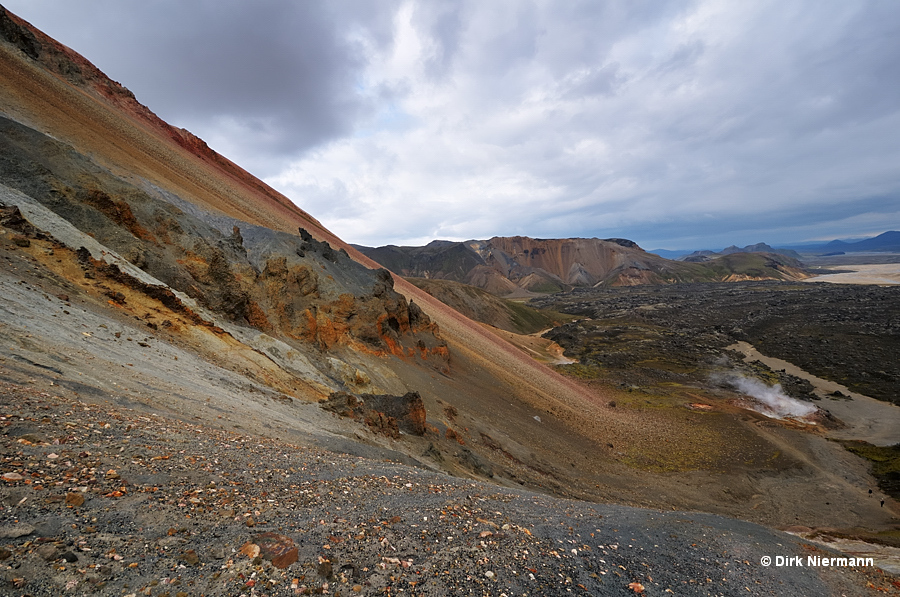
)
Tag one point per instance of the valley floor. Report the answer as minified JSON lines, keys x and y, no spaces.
{"x":864,"y":418}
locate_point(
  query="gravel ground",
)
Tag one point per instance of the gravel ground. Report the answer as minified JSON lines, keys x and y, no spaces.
{"x":99,"y":499}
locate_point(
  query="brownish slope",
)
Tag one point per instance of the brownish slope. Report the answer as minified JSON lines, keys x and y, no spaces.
{"x":577,"y":261}
{"x":481,"y":305}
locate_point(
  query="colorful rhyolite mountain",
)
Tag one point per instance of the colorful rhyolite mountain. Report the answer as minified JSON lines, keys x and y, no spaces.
{"x":510,"y":265}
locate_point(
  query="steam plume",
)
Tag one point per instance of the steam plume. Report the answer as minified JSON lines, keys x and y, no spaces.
{"x":772,"y":400}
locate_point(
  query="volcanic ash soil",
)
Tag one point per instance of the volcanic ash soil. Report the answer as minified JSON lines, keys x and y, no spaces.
{"x":103,"y":500}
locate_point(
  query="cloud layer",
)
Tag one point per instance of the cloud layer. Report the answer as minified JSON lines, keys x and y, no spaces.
{"x":678,"y":125}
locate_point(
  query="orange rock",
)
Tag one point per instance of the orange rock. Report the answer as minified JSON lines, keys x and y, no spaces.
{"x":251,"y":550}
{"x":278,"y":549}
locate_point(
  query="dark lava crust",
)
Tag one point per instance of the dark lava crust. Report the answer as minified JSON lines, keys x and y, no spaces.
{"x":849,"y":334}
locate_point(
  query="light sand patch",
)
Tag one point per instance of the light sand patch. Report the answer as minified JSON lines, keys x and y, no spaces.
{"x":867,"y":419}
{"x":881,"y":274}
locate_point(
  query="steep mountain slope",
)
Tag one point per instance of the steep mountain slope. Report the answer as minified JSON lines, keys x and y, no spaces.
{"x":480,"y":305}
{"x":505,"y":265}
{"x":208,"y":257}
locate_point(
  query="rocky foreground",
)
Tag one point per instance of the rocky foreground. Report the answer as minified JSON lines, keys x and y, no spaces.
{"x":98,"y":499}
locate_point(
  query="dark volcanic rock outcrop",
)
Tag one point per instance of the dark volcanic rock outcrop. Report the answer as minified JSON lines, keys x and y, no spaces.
{"x":292,"y":286}
{"x":385,"y":414}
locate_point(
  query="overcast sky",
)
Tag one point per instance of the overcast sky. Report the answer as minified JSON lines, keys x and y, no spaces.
{"x":679,"y":125}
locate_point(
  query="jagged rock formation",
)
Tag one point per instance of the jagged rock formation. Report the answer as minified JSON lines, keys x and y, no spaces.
{"x":296,"y":288}
{"x":505,"y":265}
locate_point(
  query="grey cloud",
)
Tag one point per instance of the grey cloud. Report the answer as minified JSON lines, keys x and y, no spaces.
{"x":861,"y":69}
{"x":685,"y":56}
{"x":280,"y":71}
{"x":818,"y":69}
{"x":443,"y":21}
{"x":601,"y":80}
{"x":784,"y":225}
{"x":649,"y":119}
{"x":283,"y":76}
{"x":512,"y":41}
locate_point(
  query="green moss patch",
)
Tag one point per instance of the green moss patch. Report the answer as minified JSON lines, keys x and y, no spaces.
{"x":580,"y":371}
{"x":528,"y":320}
{"x":885,"y":462}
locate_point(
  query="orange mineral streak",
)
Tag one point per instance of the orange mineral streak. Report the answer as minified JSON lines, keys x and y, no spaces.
{"x":100,"y":118}
{"x":257,"y":317}
{"x":394,"y":347}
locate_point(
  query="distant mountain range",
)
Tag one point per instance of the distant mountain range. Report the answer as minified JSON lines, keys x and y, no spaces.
{"x":704,"y":256}
{"x":888,"y":242}
{"x":518,"y":265}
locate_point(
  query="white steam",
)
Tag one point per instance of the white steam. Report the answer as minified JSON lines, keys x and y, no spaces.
{"x":772,"y":400}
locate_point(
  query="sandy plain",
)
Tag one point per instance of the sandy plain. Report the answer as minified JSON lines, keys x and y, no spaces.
{"x":880,"y":273}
